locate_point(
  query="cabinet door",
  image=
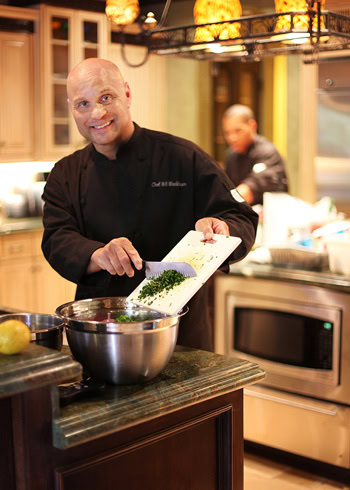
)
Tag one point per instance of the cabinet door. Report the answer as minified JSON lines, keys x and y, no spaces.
{"x":16,"y":284}
{"x":16,"y":96}
{"x":51,"y":289}
{"x":57,"y":33}
{"x":68,"y":37}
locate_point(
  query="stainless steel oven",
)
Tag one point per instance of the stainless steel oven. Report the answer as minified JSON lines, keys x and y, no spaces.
{"x":300,"y":335}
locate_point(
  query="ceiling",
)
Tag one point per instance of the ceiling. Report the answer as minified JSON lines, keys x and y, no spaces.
{"x":98,"y":5}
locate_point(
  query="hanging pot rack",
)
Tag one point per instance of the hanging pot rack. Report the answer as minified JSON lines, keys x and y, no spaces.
{"x":258,"y":37}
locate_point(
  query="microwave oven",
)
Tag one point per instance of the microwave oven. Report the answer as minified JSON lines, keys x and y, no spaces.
{"x":299,"y":334}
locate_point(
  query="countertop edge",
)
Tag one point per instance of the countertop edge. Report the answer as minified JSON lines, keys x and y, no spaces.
{"x":35,"y":372}
{"x":70,"y":433}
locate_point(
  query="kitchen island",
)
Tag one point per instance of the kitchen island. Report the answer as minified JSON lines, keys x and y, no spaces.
{"x":181,"y":430}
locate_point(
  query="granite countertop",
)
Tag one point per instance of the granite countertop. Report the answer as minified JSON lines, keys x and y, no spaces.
{"x":191,"y":376}
{"x":324,"y":278}
{"x":35,"y":367}
{"x":12,"y":225}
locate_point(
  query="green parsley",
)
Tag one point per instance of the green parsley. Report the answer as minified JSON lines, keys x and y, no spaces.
{"x":123,"y":319}
{"x":166,"y":281}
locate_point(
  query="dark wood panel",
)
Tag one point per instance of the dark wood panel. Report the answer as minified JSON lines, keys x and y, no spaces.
{"x":191,"y":447}
{"x":181,"y":458}
{"x":7,"y":478}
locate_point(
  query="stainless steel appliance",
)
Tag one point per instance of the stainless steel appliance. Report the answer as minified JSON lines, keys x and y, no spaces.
{"x":300,"y":335}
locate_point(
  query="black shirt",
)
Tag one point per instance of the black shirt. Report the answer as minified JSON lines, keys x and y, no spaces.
{"x":153,"y":194}
{"x":242,"y":168}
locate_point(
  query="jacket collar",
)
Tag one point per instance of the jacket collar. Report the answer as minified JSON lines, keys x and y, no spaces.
{"x":134,"y":143}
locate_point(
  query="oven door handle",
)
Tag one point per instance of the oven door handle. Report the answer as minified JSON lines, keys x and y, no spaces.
{"x":333,"y":410}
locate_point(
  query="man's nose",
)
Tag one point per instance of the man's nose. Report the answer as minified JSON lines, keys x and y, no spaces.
{"x":232,"y":138}
{"x":98,"y":111}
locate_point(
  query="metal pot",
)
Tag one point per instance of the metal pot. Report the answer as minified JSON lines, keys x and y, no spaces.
{"x":120,"y":353}
{"x":45,"y":330}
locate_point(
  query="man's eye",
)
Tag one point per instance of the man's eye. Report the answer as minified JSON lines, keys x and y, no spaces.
{"x":82,"y":105}
{"x":106,"y":99}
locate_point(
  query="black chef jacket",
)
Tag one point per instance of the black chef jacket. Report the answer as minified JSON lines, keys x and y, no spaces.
{"x":240,"y":168}
{"x":152,"y":193}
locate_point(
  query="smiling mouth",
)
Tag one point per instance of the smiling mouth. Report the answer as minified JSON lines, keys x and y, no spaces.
{"x":102,"y":125}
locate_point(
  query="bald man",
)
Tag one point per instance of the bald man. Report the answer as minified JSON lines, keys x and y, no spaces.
{"x":132,"y":194}
{"x":252,"y":162}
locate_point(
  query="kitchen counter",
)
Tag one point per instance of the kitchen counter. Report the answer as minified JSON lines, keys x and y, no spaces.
{"x":324,"y":278}
{"x":34,"y":368}
{"x":12,"y":225}
{"x":190,"y":377}
{"x":196,"y":402}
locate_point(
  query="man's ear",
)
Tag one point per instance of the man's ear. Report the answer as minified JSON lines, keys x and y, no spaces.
{"x":128,"y":94}
{"x":253,"y":124}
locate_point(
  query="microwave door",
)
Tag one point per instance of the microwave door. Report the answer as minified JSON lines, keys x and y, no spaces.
{"x":287,"y":339}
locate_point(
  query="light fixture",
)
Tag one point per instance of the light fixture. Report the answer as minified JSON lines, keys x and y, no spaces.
{"x":298,"y":21}
{"x":149,"y":22}
{"x":211,"y":11}
{"x":220,"y":33}
{"x":122,"y":12}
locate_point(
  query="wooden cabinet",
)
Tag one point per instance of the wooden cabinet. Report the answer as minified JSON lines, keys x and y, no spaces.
{"x":67,"y":37}
{"x":27,"y":282}
{"x":16,"y":289}
{"x":17,"y":115}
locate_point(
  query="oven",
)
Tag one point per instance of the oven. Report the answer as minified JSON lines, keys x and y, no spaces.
{"x":300,"y":335}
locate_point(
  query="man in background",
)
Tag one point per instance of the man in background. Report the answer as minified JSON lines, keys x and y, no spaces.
{"x":252,"y":162}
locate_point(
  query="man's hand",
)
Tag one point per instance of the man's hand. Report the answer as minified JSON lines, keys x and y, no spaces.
{"x":116,"y":257}
{"x":209,"y":226}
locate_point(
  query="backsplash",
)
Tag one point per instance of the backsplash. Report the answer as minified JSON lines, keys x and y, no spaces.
{"x":20,"y":191}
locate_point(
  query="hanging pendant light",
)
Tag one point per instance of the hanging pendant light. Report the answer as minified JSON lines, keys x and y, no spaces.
{"x":208,"y":11}
{"x":122,"y":12}
{"x":300,"y":21}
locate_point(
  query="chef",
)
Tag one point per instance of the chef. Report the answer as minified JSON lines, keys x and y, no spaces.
{"x":252,"y":162}
{"x":132,"y":194}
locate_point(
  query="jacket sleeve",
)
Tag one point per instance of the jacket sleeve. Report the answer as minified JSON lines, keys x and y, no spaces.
{"x":272,"y":179}
{"x":64,"y":245}
{"x":216,"y":198}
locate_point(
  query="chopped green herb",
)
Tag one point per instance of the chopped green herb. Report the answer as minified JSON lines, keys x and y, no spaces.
{"x":123,"y":319}
{"x":166,"y":281}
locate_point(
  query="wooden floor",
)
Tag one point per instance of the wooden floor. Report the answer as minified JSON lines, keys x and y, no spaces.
{"x":263,"y":474}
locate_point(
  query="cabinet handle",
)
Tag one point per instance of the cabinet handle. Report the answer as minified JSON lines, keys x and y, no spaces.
{"x":329,"y":409}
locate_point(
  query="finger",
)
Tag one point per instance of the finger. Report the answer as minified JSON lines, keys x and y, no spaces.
{"x":106,"y":264}
{"x":205,"y":226}
{"x":124,"y":256}
{"x":220,"y":227}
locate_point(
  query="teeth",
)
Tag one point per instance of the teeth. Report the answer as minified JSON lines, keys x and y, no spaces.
{"x":102,"y":126}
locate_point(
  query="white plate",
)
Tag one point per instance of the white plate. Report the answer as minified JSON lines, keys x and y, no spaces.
{"x":204,"y":257}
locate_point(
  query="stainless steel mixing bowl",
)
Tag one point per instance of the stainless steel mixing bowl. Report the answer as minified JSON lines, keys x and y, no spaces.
{"x":120,"y":353}
{"x":45,"y":330}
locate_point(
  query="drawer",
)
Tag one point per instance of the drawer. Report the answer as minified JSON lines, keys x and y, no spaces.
{"x":16,"y":246}
{"x":311,"y":428}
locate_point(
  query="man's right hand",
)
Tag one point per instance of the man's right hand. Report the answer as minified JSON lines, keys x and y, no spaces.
{"x":116,"y":257}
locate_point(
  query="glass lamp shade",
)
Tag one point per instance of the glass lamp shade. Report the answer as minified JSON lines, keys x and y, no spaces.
{"x":300,"y":22}
{"x":208,"y":11}
{"x":122,"y":12}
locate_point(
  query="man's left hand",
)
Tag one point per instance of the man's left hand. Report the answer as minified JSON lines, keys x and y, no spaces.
{"x":209,"y":226}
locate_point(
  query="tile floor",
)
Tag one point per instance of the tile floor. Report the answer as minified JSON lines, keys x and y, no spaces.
{"x":264,"y":474}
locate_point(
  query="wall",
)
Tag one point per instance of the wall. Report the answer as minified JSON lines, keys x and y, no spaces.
{"x":189,"y":101}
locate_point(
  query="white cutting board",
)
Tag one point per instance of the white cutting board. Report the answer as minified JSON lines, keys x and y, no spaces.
{"x":204,"y":257}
